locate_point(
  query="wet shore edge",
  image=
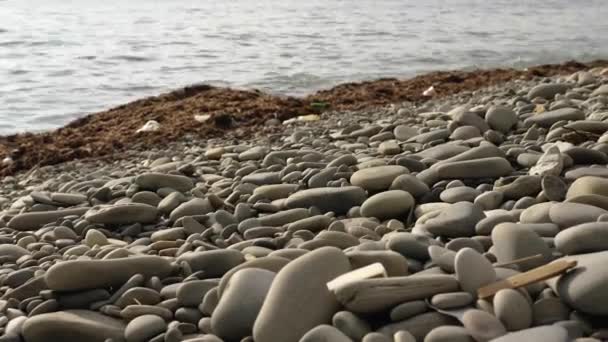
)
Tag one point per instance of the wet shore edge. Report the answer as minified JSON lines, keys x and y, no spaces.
{"x":203,"y":111}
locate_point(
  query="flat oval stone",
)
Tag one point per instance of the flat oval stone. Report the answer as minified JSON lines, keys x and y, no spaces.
{"x":154,"y":181}
{"x":571,"y":214}
{"x":473,"y":270}
{"x":378,"y":294}
{"x":377,"y":178}
{"x":235,"y":314}
{"x":546,"y":119}
{"x":143,"y":328}
{"x":301,"y":284}
{"x":337,"y":200}
{"x":76,"y":274}
{"x":548,"y":90}
{"x":73,"y":326}
{"x":122,"y":213}
{"x":478,"y":168}
{"x":583,"y":238}
{"x":394,"y":263}
{"x":411,"y":184}
{"x":482,"y":325}
{"x":451,"y":300}
{"x":35,"y":220}
{"x":512,"y":241}
{"x":388,"y":204}
{"x":512,"y":309}
{"x":459,"y":194}
{"x":588,"y":186}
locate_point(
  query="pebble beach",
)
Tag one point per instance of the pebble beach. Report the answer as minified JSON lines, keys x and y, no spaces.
{"x":373,"y":224}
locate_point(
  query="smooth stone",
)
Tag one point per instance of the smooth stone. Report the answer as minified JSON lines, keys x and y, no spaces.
{"x":512,"y":309}
{"x":143,"y":328}
{"x":549,"y":310}
{"x":485,"y":226}
{"x":420,"y":325}
{"x":548,"y":90}
{"x":324,"y":332}
{"x":588,"y":186}
{"x":275,"y":191}
{"x":138,"y":295}
{"x":122,"y":214}
{"x":513,"y":241}
{"x":35,"y":220}
{"x":351,"y":325}
{"x":457,"y":220}
{"x":466,"y":118}
{"x":214,"y":263}
{"x":449,"y":333}
{"x":191,"y":293}
{"x":403,"y":132}
{"x":337,"y":200}
{"x":545,"y":333}
{"x":73,"y":326}
{"x":408,"y":309}
{"x":583,"y":288}
{"x":442,"y":152}
{"x":478,"y":168}
{"x":569,"y":214}
{"x":195,"y":206}
{"x":378,"y":294}
{"x":583,"y":238}
{"x":154,"y":181}
{"x":389,"y":148}
{"x":451,"y":300}
{"x":95,"y":238}
{"x":537,"y":213}
{"x":459,"y":194}
{"x":482,"y":326}
{"x":586,"y":156}
{"x":501,"y":118}
{"x":133,"y":311}
{"x":241,"y":301}
{"x":376,"y":337}
{"x":554,"y":188}
{"x":411,"y":184}
{"x":489,"y":200}
{"x":301,"y":284}
{"x":76,"y":274}
{"x":377,"y":178}
{"x":388,"y":204}
{"x":473,"y":270}
{"x":546,"y":119}
{"x":403,"y":336}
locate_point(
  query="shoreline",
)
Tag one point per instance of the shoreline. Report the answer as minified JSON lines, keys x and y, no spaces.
{"x":238,"y":113}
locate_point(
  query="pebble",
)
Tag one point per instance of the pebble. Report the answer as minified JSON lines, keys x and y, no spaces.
{"x":512,"y":309}
{"x":316,"y":305}
{"x":144,"y":328}
{"x":583,"y":238}
{"x":514,"y":241}
{"x":482,"y":326}
{"x":377,"y":178}
{"x":240,"y":303}
{"x":457,"y":220}
{"x":122,"y":214}
{"x":73,"y":326}
{"x":473,"y":270}
{"x":337,"y":200}
{"x":388,"y":204}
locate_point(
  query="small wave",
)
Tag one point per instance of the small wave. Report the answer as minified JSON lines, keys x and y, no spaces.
{"x":130,"y":58}
{"x":18,"y":72}
{"x":87,"y":57}
{"x":12,"y":43}
{"x":3,"y":30}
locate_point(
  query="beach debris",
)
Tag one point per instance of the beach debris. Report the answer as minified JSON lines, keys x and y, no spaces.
{"x":430,"y":91}
{"x":150,"y":126}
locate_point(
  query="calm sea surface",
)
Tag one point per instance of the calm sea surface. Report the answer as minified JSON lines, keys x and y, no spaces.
{"x":61,"y":59}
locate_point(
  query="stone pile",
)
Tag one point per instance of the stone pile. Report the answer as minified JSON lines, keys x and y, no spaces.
{"x":237,"y":242}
